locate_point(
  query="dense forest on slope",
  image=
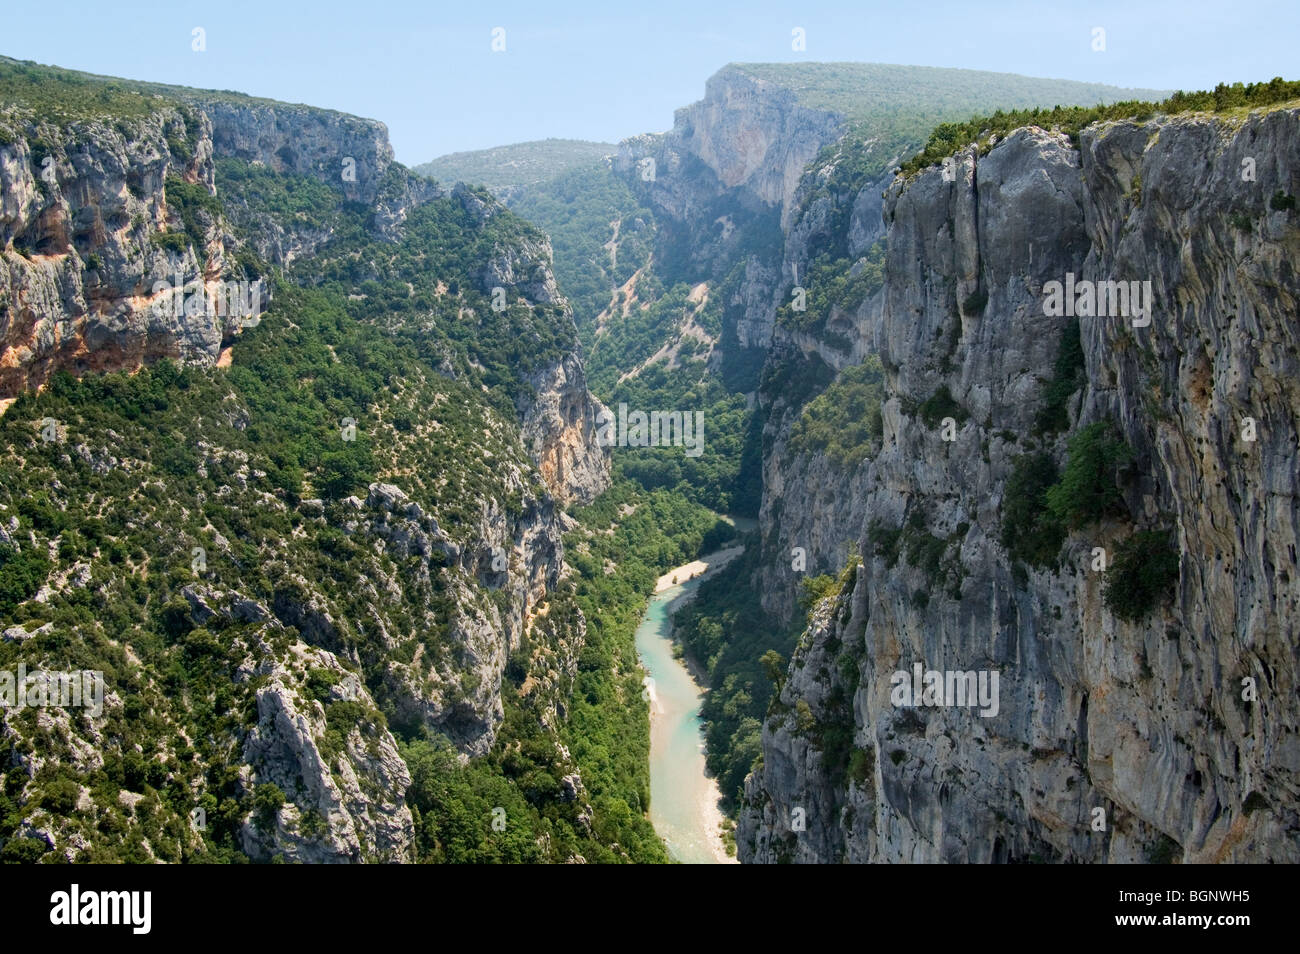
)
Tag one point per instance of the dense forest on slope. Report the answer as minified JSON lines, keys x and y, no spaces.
{"x":311,"y":525}
{"x":600,"y":232}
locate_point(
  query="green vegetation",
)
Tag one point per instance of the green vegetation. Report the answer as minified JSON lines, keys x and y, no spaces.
{"x":939,"y":405}
{"x":835,"y":283}
{"x":197,"y":209}
{"x":974,"y":303}
{"x":726,"y":476}
{"x":831,"y":728}
{"x":948,"y":137}
{"x":887,"y":95}
{"x":938,"y":557}
{"x":1142,"y":574}
{"x":21,"y":575}
{"x":251,"y":465}
{"x":423,"y":292}
{"x":898,"y":106}
{"x":1089,"y":487}
{"x":726,"y":630}
{"x":60,"y":95}
{"x":608,"y":724}
{"x":1039,"y":507}
{"x":1068,"y":376}
{"x":518,"y":164}
{"x":222,"y":460}
{"x":583,"y":210}
{"x":844,"y":421}
{"x":1030,"y":531}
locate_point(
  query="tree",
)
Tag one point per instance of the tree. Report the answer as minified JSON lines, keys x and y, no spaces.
{"x":1144,"y":572}
{"x":774,"y":667}
{"x":1089,"y":490}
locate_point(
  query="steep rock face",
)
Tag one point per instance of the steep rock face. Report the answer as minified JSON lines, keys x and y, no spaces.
{"x":558,"y":419}
{"x":520,"y":556}
{"x":354,"y":797}
{"x":350,"y":152}
{"x":723,"y":184}
{"x":753,"y":134}
{"x":559,"y":429}
{"x":811,"y":502}
{"x":1147,"y":721}
{"x":80,"y":206}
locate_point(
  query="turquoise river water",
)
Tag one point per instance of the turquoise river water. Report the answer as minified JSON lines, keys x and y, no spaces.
{"x":683,"y":799}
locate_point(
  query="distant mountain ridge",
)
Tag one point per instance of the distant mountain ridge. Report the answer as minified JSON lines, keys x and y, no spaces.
{"x":517,"y":164}
{"x":836,"y":88}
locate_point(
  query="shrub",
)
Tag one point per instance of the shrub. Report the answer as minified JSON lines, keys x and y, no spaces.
{"x":845,"y":421}
{"x":947,"y":138}
{"x":1165,"y":851}
{"x":23,"y":850}
{"x":860,"y":766}
{"x":817,"y":588}
{"x":319,"y":682}
{"x":1030,"y":532}
{"x":267,"y":799}
{"x":939,"y":405}
{"x":60,"y":796}
{"x":1067,"y":377}
{"x":975,"y":302}
{"x":1281,"y":202}
{"x":1142,"y":574}
{"x":21,"y":575}
{"x":1253,"y":803}
{"x":804,"y":719}
{"x":175,"y":242}
{"x":886,"y":541}
{"x":1088,"y":490}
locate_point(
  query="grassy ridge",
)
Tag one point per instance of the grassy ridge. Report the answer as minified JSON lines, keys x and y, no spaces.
{"x":949,"y":137}
{"x":517,"y":164}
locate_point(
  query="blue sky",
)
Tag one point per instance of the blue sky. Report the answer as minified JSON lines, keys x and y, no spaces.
{"x":606,"y":70}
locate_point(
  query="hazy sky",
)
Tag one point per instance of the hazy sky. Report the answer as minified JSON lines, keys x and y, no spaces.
{"x":606,"y":70}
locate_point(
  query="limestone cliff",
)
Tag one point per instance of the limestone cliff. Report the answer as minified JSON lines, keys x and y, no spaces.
{"x":1177,"y":729}
{"x":82,"y":208}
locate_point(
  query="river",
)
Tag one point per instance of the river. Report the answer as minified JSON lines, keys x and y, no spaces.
{"x":683,"y":799}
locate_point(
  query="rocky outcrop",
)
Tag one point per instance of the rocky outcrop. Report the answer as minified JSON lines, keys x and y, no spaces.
{"x":348,"y":152}
{"x":519,"y":557}
{"x":559,"y":429}
{"x":87,"y":234}
{"x":722,"y":183}
{"x":557,"y":414}
{"x":348,"y":800}
{"x":81,"y":209}
{"x":1170,"y":737}
{"x":754,"y":135}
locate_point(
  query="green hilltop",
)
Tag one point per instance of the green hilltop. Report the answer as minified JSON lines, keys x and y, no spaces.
{"x":57,"y":94}
{"x":872,"y":92}
{"x":517,"y":164}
